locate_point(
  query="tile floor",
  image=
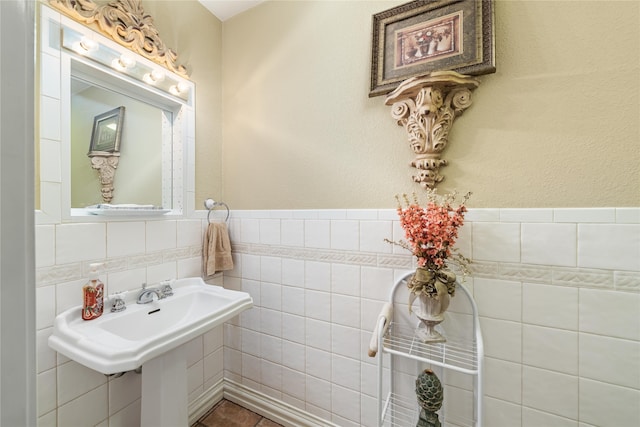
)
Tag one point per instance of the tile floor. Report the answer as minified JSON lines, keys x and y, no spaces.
{"x":228,"y":414}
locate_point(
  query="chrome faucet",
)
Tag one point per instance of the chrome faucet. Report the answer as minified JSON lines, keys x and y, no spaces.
{"x":146,"y":295}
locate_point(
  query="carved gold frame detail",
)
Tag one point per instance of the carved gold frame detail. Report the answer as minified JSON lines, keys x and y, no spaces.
{"x":125,"y":22}
{"x":426,"y":107}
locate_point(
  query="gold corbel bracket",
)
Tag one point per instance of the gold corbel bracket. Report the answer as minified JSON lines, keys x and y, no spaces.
{"x":426,"y":107}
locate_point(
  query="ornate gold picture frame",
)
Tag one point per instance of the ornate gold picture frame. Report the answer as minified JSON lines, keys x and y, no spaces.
{"x":422,"y":36}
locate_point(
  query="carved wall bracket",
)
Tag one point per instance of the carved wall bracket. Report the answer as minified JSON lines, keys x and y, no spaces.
{"x":426,"y":107}
{"x":106,"y":165}
{"x":125,"y":22}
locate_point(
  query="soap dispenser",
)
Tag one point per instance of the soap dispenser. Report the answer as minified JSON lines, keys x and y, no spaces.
{"x":93,"y":294}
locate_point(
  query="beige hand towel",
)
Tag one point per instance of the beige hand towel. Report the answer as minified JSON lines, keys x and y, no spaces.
{"x":216,"y":250}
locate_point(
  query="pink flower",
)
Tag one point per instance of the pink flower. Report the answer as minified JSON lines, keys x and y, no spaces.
{"x":431,"y":231}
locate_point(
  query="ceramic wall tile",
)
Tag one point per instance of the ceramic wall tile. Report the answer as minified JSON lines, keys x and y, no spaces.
{"x":251,"y":267}
{"x":189,"y":267}
{"x":345,"y":403}
{"x":250,"y":230}
{"x":123,"y":391}
{"x":628,"y":215}
{"x":189,"y":233}
{"x":317,"y":234}
{"x":51,"y":170}
{"x":372,"y":235}
{"x":507,"y":307}
{"x":549,"y":244}
{"x":500,"y":413}
{"x":502,"y":339}
{"x":80,"y":242}
{"x":317,"y":276}
{"x":293,"y":300}
{"x":161,"y":235}
{"x":318,"y":393}
{"x":194,"y":350}
{"x":91,"y":408}
{"x":214,"y":339}
{"x":125,"y":238}
{"x":294,"y":382}
{"x":45,"y":306}
{"x":74,"y":380}
{"x":270,"y":231}
{"x":345,"y":235}
{"x":593,"y":303}
{"x":551,"y":349}
{"x":293,"y":328}
{"x":589,"y":215}
{"x":503,"y":380}
{"x":46,"y":395}
{"x":345,"y":341}
{"x":271,"y":295}
{"x":271,"y":348}
{"x":49,"y":118}
{"x":550,"y":392}
{"x":292,"y":232}
{"x":375,"y":283}
{"x":271,"y":269}
{"x":526,"y":215}
{"x":345,"y":279}
{"x":45,"y":356}
{"x":317,"y":305}
{"x":271,"y":375}
{"x":195,"y":376}
{"x":125,"y":280}
{"x":496,"y":241}
{"x":251,"y":368}
{"x":271,"y":322}
{"x":318,"y":363}
{"x":345,"y":310}
{"x":161,"y":272}
{"x":293,"y":355}
{"x":345,"y":372}
{"x":621,"y":404}
{"x":293,"y":272}
{"x":318,"y":334}
{"x":610,"y":246}
{"x":552,"y":306}
{"x":610,"y":360}
{"x":45,"y":245}
{"x":534,"y":418}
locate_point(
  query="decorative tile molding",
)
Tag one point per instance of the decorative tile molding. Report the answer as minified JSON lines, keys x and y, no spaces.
{"x":78,"y":270}
{"x":561,"y":276}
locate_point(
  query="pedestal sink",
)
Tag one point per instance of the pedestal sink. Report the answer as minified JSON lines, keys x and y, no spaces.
{"x":150,"y":335}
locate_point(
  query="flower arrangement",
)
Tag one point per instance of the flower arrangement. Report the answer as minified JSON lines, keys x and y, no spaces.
{"x":431,"y":232}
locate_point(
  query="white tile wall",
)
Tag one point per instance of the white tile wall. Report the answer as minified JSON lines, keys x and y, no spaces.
{"x":543,"y":281}
{"x":546,"y":282}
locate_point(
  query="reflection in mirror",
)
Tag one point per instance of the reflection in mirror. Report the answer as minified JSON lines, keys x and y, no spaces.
{"x":138,"y":178}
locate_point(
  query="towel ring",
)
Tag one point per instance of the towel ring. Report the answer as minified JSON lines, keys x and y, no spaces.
{"x":210,"y":204}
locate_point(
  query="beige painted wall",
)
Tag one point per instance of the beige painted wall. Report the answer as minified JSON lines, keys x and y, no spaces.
{"x":192,"y":31}
{"x":556,"y":126}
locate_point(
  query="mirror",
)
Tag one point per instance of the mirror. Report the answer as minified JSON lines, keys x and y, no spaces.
{"x":85,"y":79}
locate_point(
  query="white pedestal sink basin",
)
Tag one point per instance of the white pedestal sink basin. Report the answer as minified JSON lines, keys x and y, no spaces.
{"x":150,"y":335}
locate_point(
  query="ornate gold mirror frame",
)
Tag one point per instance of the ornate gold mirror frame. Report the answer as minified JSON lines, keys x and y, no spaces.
{"x":125,"y":22}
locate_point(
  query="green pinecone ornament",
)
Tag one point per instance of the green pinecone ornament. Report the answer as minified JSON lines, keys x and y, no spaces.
{"x":430,"y":395}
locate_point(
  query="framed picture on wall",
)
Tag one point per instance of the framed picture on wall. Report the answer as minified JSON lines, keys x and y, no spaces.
{"x":107,"y":129}
{"x":419,"y":37}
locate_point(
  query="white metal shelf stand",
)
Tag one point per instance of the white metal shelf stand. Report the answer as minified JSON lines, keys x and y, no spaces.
{"x":461,"y":355}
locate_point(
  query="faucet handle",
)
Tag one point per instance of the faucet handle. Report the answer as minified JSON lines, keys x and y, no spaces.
{"x":166,"y":289}
{"x":118,"y":304}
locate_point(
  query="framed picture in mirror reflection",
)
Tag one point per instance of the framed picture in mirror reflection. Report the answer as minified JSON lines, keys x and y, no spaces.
{"x":107,"y":130}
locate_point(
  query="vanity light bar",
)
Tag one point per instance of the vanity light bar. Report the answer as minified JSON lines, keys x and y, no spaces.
{"x":124,"y":63}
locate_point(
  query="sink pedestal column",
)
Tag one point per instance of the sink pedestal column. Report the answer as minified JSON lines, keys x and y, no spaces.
{"x":164,"y":390}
